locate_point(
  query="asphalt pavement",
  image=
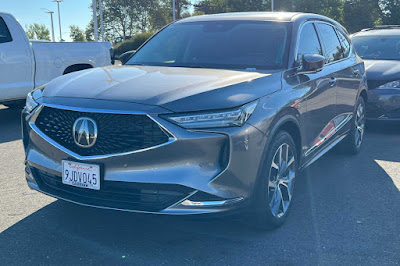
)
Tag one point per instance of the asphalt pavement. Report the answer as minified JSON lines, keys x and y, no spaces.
{"x":346,"y":211}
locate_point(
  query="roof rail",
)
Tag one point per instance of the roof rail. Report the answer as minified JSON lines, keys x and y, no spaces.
{"x":383,"y":27}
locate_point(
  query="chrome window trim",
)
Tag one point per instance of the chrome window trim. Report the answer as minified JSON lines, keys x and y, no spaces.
{"x":315,"y":22}
{"x":172,"y":137}
{"x":298,"y":40}
{"x":335,"y":29}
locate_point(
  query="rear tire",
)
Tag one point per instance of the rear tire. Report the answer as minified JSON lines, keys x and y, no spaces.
{"x":276,"y":183}
{"x":353,"y":141}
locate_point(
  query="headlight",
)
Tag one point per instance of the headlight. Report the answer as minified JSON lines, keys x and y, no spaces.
{"x":33,"y":99}
{"x":393,"y":84}
{"x":31,"y":103}
{"x":224,"y":118}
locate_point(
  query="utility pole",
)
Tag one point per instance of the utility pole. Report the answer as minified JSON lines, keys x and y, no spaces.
{"x":272,"y":5}
{"x":52,"y":25}
{"x":59,"y":17}
{"x":101,"y":20}
{"x":173,"y":10}
{"x":95,"y":27}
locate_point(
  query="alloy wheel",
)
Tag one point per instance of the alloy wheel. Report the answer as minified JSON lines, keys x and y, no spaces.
{"x":360,"y":125}
{"x":281,"y":180}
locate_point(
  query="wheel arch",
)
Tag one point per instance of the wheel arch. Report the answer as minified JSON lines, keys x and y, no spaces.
{"x":289,"y":123}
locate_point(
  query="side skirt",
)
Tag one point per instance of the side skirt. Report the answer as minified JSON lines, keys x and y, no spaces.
{"x":322,"y":152}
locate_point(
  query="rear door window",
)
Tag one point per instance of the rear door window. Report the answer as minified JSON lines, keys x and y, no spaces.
{"x":5,"y":35}
{"x":345,"y":43}
{"x":308,"y":43}
{"x":333,"y":48}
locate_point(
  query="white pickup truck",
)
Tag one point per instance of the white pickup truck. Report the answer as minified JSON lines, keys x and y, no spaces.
{"x":26,"y":64}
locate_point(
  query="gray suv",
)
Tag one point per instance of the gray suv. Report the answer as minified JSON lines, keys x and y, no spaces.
{"x":212,"y":114}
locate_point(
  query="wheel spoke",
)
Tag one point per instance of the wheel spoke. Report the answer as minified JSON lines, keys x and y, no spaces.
{"x":289,"y":178}
{"x":280,"y":156}
{"x":285,"y":204}
{"x":271,"y":184}
{"x":276,"y":201}
{"x":287,"y":187}
{"x":274,"y":165}
{"x":290,"y":162}
{"x":360,"y":119}
{"x":287,"y":154}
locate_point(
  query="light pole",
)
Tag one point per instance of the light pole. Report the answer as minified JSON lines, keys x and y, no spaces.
{"x":173,"y":10}
{"x":52,"y":25}
{"x":95,"y":28}
{"x":59,"y":18}
{"x":101,"y":20}
{"x":272,"y":5}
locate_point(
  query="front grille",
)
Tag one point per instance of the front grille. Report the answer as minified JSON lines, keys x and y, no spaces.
{"x":115,"y":194}
{"x":117,"y":133}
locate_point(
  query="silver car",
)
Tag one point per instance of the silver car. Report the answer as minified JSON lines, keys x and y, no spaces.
{"x":213,"y":114}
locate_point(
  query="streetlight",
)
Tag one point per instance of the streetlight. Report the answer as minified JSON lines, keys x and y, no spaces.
{"x":52,"y":25}
{"x":101,"y":20}
{"x":173,"y":10}
{"x":272,"y":5}
{"x":95,"y":28}
{"x":59,"y":18}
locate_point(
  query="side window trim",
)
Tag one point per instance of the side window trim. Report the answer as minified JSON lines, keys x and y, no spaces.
{"x":348,"y":40}
{"x":298,"y":40}
{"x":324,"y":48}
{"x":8,"y":30}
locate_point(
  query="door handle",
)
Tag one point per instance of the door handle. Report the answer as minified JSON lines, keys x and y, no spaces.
{"x":332,"y":81}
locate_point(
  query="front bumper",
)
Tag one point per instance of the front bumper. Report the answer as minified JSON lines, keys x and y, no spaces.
{"x":199,"y":172}
{"x":383,"y":104}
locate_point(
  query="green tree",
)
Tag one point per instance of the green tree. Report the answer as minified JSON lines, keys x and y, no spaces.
{"x":359,"y":14}
{"x":76,"y":34}
{"x":37,"y":32}
{"x":391,"y":12}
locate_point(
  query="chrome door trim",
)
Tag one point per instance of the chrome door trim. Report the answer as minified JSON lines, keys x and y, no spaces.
{"x":323,"y":152}
{"x":330,"y":134}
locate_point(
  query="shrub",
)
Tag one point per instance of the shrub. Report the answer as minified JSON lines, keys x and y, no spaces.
{"x":132,"y":44}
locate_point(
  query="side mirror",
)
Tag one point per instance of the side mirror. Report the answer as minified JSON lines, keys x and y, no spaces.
{"x":312,"y":63}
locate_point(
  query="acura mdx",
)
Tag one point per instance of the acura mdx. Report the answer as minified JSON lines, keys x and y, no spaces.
{"x":212,"y":114}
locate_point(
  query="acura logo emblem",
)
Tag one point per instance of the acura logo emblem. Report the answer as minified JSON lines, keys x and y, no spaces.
{"x":84,"y":132}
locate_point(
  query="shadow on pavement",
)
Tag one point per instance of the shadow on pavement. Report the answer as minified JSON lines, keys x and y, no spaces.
{"x":10,"y":124}
{"x":344,"y":212}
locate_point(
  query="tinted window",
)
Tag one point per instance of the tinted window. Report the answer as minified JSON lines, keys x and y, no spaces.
{"x":333,"y":48}
{"x":218,"y":44}
{"x":378,"y":47}
{"x":308,"y":43}
{"x":5,"y":35}
{"x":345,"y":43}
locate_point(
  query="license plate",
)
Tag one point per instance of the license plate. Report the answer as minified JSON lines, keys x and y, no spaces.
{"x":81,"y":175}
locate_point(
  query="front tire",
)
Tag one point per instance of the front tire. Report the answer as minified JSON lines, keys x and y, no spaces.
{"x":277,"y":180}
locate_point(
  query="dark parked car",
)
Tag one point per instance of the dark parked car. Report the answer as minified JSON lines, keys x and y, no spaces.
{"x":213,"y":114}
{"x":379,"y":47}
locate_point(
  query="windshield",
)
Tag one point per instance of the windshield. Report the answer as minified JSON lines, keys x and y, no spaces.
{"x":250,"y":45}
{"x":378,"y":47}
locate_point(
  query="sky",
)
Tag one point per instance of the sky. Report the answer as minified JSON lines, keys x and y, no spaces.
{"x":73,"y":12}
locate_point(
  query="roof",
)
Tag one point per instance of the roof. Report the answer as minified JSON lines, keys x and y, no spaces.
{"x":255,"y":16}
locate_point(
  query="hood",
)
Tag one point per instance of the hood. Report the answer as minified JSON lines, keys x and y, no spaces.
{"x":382,"y":70}
{"x":174,"y":88}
